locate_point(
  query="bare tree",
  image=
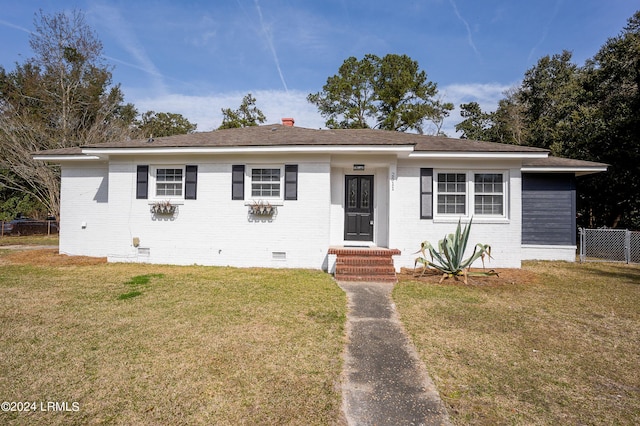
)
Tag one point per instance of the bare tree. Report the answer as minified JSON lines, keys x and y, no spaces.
{"x":60,"y":98}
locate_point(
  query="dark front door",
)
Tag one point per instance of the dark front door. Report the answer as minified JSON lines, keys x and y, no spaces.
{"x":358,"y":211}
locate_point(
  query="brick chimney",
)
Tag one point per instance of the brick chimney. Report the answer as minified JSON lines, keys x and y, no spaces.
{"x":288,"y":122}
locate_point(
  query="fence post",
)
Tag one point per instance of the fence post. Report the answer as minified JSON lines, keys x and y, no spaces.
{"x":627,"y":246}
{"x":582,"y":254}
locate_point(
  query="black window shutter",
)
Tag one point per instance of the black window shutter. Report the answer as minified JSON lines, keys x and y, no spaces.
{"x":426,"y":193}
{"x":291,"y":182}
{"x":191,"y":182}
{"x":142,"y":183}
{"x":237,"y":182}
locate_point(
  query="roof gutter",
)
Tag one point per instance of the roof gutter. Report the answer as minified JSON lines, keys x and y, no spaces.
{"x":579,"y":171}
{"x":479,"y":154}
{"x":72,"y":157}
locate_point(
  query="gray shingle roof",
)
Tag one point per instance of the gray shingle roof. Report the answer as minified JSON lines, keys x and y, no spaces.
{"x":560,"y":162}
{"x":76,"y":150}
{"x":279,"y":135}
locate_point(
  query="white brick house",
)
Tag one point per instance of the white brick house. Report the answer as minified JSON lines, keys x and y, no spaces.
{"x":328,"y":188}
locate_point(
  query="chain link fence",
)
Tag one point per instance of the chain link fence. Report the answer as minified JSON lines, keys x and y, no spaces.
{"x":19,"y":227}
{"x":609,"y":245}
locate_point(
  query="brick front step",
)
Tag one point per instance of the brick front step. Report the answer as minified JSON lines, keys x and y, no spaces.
{"x":364,"y":259}
{"x":364,"y":251}
{"x":366,"y":270}
{"x":364,"y":264}
{"x":367,"y":278}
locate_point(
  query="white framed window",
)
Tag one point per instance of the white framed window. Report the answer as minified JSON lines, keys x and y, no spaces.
{"x":452,"y":193}
{"x":166,"y":182}
{"x":488,"y":194}
{"x":266,"y":182}
{"x":169,"y":182}
{"x":470,"y":193}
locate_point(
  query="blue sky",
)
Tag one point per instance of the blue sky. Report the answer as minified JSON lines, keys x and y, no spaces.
{"x":196,"y":57}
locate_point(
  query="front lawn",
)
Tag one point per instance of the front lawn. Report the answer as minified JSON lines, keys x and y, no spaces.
{"x":149,"y":344}
{"x":560,"y":344}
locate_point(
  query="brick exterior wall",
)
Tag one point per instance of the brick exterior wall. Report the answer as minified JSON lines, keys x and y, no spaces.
{"x":101,"y":216}
{"x":211,"y":230}
{"x":84,"y":211}
{"x":407,"y":230}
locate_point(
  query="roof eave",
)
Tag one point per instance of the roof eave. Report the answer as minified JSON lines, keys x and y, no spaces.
{"x":64,"y":158}
{"x":578,"y":171}
{"x":478,"y":154}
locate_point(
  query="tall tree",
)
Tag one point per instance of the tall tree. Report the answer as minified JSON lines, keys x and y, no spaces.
{"x":59,"y":98}
{"x":505,"y":125}
{"x":159,"y":124}
{"x":391,"y":92}
{"x":348,"y":99}
{"x":586,"y":113}
{"x":476,"y":124}
{"x":508,"y":120}
{"x":611,"y":123}
{"x":550,"y":91}
{"x":246,"y":115}
{"x":406,"y":98}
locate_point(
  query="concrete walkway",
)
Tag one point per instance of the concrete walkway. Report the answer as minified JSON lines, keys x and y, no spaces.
{"x":384,"y":383}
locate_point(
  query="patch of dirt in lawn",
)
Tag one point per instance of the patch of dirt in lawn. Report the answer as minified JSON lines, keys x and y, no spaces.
{"x":49,"y":257}
{"x":506,"y":276}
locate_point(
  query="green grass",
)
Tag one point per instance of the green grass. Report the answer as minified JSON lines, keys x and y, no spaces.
{"x":198,"y":345}
{"x":129,"y":295}
{"x":561,"y":350}
{"x":139,"y":282}
{"x":143,"y":279}
{"x":46,"y":240}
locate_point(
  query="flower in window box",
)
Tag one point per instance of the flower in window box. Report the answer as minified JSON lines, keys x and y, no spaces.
{"x":163,"y":207}
{"x":261,"y":208}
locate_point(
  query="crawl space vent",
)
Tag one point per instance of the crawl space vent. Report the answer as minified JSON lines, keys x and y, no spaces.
{"x":279,"y":255}
{"x":144,"y":251}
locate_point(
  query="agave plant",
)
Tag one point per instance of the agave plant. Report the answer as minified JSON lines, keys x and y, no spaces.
{"x":447,"y":258}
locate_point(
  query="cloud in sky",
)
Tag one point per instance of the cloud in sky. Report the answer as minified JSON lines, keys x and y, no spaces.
{"x":269,"y":39}
{"x":122,"y":31}
{"x":205,"y":110}
{"x":466,"y":24}
{"x":487,"y":95}
{"x":14,"y":26}
{"x":545,"y":30}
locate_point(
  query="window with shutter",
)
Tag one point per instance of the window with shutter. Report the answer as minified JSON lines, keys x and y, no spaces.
{"x":481,"y":194}
{"x":191,"y":182}
{"x":169,"y":182}
{"x":142,"y":182}
{"x":237,"y":182}
{"x":291,"y":182}
{"x":426,"y":193}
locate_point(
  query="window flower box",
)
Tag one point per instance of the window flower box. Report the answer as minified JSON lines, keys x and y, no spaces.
{"x":261,"y":208}
{"x":163,"y":207}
